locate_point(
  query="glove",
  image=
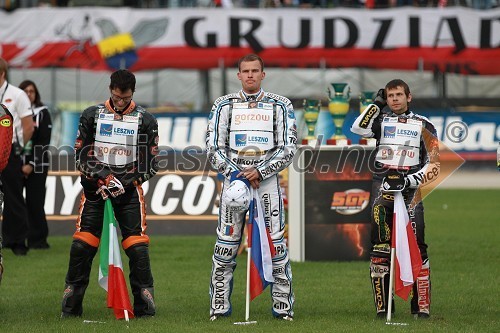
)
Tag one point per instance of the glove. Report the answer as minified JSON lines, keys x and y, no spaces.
{"x":103,"y":190}
{"x":380,"y":99}
{"x":110,"y":186}
{"x":395,"y":182}
{"x":115,"y":188}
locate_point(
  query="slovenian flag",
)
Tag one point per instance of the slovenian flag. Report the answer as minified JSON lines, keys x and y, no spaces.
{"x":408,"y":260}
{"x":111,"y":276}
{"x":261,"y":248}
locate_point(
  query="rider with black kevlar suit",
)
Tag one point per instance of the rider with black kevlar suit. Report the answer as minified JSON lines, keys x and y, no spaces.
{"x":251,"y":133}
{"x":407,"y":157}
{"x":116,"y":148}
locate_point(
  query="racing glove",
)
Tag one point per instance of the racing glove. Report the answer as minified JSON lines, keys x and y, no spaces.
{"x":103,"y":190}
{"x":380,"y":99}
{"x":395,"y":182}
{"x":115,"y":187}
{"x":110,"y":186}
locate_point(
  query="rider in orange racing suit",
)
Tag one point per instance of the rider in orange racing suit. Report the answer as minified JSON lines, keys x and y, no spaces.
{"x":116,"y":150}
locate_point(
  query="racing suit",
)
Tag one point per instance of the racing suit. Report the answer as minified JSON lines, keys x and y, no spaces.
{"x":6,"y":132}
{"x":123,"y":144}
{"x":407,"y":143}
{"x":251,"y":131}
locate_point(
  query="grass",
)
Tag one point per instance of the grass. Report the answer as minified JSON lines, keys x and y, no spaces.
{"x":462,"y":229}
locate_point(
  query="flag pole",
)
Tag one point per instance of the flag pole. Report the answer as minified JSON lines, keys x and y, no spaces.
{"x":247,"y":305}
{"x":391,"y":268}
{"x":125,"y":312}
{"x":391,"y":285}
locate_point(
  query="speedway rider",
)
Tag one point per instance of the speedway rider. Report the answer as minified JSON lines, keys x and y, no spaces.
{"x":407,"y":157}
{"x":116,"y":148}
{"x":252,"y":134}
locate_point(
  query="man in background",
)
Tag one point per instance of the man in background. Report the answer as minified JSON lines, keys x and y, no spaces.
{"x":15,"y":218}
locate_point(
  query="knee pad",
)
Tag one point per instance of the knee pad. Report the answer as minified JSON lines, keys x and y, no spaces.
{"x":281,"y":252}
{"x":380,"y":218}
{"x":421,"y":299}
{"x":137,"y":252}
{"x":82,"y":248}
{"x":225,"y":252}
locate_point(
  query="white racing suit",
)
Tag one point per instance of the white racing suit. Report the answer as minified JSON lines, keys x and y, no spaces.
{"x":406,"y":144}
{"x":245,"y":131}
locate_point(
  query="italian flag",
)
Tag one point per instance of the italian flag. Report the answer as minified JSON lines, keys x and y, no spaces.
{"x":111,"y":276}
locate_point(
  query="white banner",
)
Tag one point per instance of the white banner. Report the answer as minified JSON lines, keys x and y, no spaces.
{"x":451,"y":39}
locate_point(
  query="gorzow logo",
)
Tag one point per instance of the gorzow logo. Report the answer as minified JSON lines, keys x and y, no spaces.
{"x":350,"y":202}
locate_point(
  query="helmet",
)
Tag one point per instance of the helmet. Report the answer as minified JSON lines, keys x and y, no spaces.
{"x":237,"y":196}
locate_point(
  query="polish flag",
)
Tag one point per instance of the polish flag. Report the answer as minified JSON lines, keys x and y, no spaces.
{"x":111,"y":276}
{"x":408,"y":259}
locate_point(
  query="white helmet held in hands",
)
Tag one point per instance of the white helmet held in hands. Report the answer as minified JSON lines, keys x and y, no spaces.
{"x":237,"y":196}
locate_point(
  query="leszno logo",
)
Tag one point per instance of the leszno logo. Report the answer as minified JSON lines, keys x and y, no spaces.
{"x":106,"y":129}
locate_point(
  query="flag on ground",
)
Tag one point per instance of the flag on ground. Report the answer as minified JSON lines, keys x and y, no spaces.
{"x":111,"y":276}
{"x":261,"y":248}
{"x":408,"y":259}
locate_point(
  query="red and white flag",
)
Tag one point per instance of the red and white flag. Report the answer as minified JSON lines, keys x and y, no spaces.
{"x":408,"y":260}
{"x":111,"y":276}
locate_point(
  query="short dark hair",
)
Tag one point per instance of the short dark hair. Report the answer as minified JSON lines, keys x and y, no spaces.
{"x":123,"y":80}
{"x":25,"y":84}
{"x":398,"y":83}
{"x":251,"y":57}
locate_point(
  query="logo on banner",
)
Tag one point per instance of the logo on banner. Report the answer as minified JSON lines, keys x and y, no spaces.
{"x":106,"y":129}
{"x":350,"y":202}
{"x":389,"y":131}
{"x":241,"y":140}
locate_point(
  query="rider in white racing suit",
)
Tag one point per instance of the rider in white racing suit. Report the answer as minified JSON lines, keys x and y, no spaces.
{"x":251,"y":131}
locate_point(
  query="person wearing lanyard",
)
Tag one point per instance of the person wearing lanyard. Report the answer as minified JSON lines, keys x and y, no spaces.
{"x":15,"y":218}
{"x":36,"y":167}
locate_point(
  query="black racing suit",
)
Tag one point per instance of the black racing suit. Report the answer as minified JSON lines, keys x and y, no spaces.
{"x":369,"y":124}
{"x":129,"y":208}
{"x":34,"y":184}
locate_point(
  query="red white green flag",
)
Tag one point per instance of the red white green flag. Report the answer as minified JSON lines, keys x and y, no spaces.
{"x":111,"y":276}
